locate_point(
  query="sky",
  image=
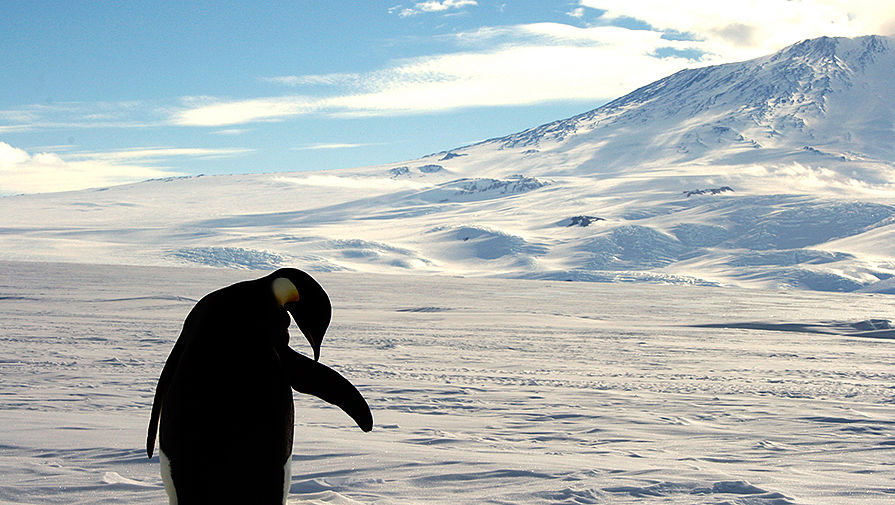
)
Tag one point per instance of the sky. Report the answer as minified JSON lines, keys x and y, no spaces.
{"x":96,"y":93}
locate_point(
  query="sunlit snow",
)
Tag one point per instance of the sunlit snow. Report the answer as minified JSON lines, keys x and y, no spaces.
{"x":482,"y":390}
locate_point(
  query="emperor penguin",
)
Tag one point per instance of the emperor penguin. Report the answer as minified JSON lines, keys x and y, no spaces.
{"x":223,"y":404}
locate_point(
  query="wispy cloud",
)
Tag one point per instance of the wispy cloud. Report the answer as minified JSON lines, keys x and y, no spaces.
{"x":146,"y":154}
{"x":232,"y":131}
{"x":523,"y":64}
{"x":222,"y":113}
{"x":24,"y":172}
{"x":334,"y":145}
{"x":548,"y":62}
{"x":59,"y":115}
{"x":311,"y":80}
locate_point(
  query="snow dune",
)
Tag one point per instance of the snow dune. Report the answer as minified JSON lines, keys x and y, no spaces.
{"x":483,"y":390}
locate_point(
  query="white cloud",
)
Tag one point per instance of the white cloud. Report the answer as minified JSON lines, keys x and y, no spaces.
{"x":749,"y":28}
{"x":10,"y":155}
{"x":546,"y":62}
{"x":443,"y":5}
{"x":589,"y":65}
{"x":431,"y":6}
{"x":522,"y":64}
{"x":220,"y":113}
{"x":21,"y":172}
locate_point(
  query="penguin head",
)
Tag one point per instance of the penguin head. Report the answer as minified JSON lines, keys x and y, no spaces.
{"x":302,"y":297}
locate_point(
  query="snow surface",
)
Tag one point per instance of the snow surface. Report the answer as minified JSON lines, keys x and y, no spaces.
{"x":482,"y":390}
{"x":772,"y":173}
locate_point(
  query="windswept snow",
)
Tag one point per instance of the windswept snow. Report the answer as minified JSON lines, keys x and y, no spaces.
{"x":230,"y":257}
{"x":482,"y":390}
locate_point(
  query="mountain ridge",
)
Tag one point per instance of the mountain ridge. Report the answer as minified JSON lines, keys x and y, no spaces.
{"x":821,"y":50}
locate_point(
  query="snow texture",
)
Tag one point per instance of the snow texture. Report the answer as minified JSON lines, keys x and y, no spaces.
{"x":482,"y":390}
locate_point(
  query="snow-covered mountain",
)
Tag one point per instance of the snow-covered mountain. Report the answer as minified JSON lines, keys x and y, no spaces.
{"x":775,"y":172}
{"x":830,"y":95}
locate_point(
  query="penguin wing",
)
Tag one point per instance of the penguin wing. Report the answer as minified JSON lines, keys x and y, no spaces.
{"x":313,"y":378}
{"x":161,"y":389}
{"x":187,"y":334}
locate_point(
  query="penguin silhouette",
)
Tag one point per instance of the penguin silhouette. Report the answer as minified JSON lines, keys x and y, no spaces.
{"x":223,"y":404}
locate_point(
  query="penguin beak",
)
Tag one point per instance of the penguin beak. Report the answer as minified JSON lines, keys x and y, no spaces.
{"x":312,"y":327}
{"x":315,"y":344}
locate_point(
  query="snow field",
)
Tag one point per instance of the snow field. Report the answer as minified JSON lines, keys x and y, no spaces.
{"x":482,"y":390}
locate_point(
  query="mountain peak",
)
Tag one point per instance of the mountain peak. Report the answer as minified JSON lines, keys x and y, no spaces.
{"x":857,"y":51}
{"x":788,"y":100}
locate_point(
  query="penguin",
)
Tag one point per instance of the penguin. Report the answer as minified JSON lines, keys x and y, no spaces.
{"x":223,"y":405}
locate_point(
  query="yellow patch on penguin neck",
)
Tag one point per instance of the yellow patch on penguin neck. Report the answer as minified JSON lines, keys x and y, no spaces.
{"x":284,"y":291}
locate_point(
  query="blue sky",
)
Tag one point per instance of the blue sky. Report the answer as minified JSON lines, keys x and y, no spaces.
{"x":101,"y":93}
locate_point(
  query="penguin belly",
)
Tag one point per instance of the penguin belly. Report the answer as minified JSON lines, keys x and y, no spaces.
{"x":165,"y":465}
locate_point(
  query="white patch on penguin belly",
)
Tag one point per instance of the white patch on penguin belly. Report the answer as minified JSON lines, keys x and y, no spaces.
{"x":165,"y":463}
{"x":287,"y":478}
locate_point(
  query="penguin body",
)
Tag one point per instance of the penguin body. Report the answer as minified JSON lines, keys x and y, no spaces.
{"x":223,"y":405}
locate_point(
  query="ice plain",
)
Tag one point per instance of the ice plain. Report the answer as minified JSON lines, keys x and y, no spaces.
{"x":483,"y":390}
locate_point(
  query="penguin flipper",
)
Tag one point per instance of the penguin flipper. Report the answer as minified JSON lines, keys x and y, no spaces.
{"x":313,"y":378}
{"x":161,"y":389}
